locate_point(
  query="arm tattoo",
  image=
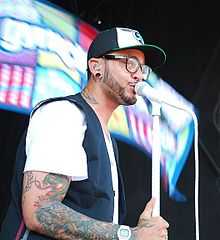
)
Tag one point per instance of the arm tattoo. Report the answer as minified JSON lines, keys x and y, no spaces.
{"x":56,"y":219}
{"x":53,"y":187}
{"x":30,"y":180}
{"x":61,"y":222}
{"x":58,"y":185}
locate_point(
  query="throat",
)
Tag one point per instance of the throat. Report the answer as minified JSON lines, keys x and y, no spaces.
{"x":88,"y":96}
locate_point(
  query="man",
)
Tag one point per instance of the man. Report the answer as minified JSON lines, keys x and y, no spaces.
{"x":67,"y":183}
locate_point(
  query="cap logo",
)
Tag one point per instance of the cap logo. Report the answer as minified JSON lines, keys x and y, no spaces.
{"x":138,"y":36}
{"x":127,"y":38}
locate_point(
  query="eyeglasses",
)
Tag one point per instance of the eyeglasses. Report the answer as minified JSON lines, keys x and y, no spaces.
{"x":132,"y":64}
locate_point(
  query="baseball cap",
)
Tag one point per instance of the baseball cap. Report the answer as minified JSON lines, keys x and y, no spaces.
{"x":124,"y":38}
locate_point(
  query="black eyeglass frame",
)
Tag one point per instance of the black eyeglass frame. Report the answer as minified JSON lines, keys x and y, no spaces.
{"x":146,"y":70}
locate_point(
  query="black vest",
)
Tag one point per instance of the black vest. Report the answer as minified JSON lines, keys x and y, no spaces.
{"x":93,"y":197}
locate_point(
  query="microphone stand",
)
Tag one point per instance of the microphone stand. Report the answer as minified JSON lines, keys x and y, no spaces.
{"x":143,"y":89}
{"x":156,"y":155}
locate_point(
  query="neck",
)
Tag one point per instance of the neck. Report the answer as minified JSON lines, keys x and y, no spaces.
{"x":100,"y":103}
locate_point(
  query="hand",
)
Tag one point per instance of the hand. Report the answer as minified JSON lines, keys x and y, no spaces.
{"x":149,"y":227}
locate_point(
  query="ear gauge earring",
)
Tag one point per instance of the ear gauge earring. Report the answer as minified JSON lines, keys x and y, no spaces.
{"x":98,"y":75}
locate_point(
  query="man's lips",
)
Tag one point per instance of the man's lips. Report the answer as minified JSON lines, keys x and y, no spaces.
{"x":132,"y":85}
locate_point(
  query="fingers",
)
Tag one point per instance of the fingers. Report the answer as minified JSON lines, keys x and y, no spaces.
{"x":150,"y":227}
{"x":166,"y":224}
{"x":146,"y":215}
{"x":163,"y":222}
{"x":163,"y":233}
{"x":148,"y":211}
{"x":152,"y":232}
{"x":158,"y":222}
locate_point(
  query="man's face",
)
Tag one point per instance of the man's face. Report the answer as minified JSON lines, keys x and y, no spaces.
{"x":122,"y":74}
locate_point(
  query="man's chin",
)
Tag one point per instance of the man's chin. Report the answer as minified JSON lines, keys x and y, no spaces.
{"x":129,"y":101}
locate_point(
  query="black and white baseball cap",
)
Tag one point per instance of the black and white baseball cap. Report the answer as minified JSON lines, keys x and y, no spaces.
{"x":124,"y":38}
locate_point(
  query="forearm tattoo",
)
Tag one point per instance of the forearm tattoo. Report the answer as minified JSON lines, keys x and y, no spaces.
{"x":61,"y":222}
{"x":56,"y":219}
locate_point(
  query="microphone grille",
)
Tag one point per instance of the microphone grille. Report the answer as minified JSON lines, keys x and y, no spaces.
{"x":139,"y":87}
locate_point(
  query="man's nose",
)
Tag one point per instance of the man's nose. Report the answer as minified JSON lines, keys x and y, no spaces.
{"x":138,"y":76}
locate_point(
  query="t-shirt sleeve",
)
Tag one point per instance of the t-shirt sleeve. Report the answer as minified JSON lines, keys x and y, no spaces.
{"x":54,"y":140}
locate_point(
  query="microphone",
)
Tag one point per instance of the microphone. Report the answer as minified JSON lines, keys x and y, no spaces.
{"x":145,"y":90}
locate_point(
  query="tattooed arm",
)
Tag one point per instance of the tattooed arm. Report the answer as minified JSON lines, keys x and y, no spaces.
{"x":44,"y":213}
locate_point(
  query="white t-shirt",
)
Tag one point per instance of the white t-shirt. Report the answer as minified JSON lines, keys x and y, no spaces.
{"x":54,"y":140}
{"x":114,"y":175}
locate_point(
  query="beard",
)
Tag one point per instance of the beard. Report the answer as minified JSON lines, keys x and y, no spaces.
{"x":121,"y":94}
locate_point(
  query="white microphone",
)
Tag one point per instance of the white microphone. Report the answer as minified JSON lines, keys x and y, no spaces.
{"x":145,"y":90}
